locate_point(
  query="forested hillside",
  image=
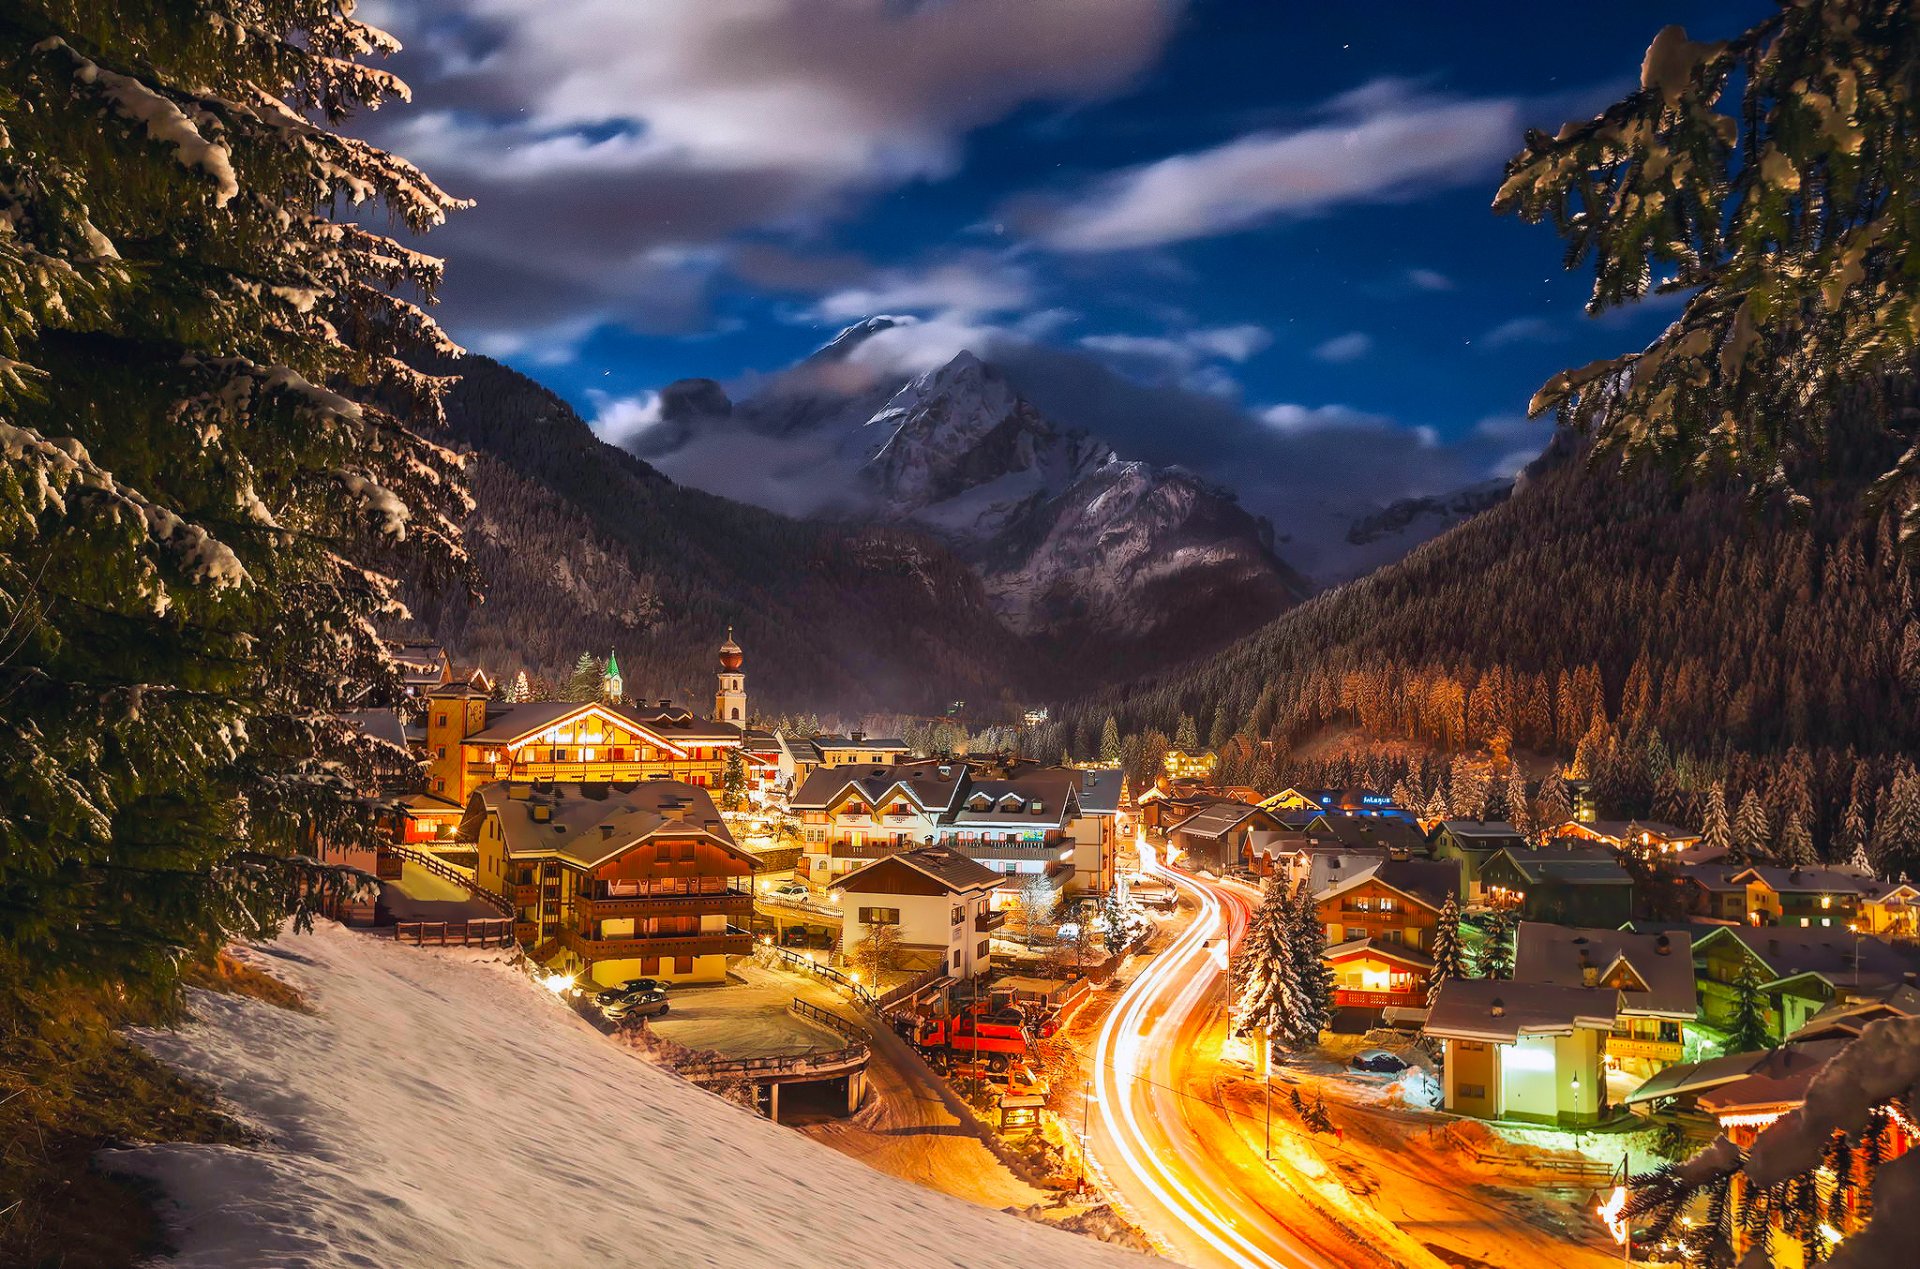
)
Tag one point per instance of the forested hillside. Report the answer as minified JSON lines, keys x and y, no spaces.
{"x":1662,"y":640}
{"x":583,"y":547}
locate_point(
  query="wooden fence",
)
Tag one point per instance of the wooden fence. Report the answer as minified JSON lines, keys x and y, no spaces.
{"x":481,"y":932}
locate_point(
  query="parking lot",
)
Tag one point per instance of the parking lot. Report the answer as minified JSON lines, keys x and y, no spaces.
{"x":750,"y":1019}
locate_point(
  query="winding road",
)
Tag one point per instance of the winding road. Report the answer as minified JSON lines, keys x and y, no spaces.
{"x":1173,"y":1157}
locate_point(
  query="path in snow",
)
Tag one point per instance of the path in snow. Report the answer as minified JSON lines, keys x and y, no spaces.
{"x":442,"y":1110}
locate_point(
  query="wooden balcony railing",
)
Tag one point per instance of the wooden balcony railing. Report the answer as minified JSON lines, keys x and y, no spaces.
{"x":733,"y":903}
{"x":988,"y":922}
{"x":735,"y":942}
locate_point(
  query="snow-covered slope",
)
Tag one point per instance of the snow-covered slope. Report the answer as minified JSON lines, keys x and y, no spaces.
{"x":1074,"y":544}
{"x":441,"y":1110}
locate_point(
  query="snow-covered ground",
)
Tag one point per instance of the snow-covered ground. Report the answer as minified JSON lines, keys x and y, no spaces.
{"x":441,"y":1110}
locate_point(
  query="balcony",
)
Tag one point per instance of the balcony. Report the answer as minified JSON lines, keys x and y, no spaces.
{"x":1620,"y":1046}
{"x":526,"y":896}
{"x":526,"y":931}
{"x":735,"y":942}
{"x":866,"y":850}
{"x":734,"y":903}
{"x":988,"y":922}
{"x":1361,"y":998}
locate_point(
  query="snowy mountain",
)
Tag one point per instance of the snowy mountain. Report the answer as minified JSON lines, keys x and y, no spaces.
{"x":1380,"y":537}
{"x":1076,"y":546}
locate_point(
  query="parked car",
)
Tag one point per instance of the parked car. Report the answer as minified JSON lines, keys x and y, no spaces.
{"x":627,"y":988}
{"x":1378,"y":1062}
{"x":793,"y":892}
{"x":636,"y":1004}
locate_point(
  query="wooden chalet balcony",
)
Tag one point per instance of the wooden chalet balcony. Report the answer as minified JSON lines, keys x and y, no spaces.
{"x":1622,"y":1046}
{"x":1374,"y":919}
{"x":1007,"y":850}
{"x":866,"y":850}
{"x":526,"y":895}
{"x":988,"y":922}
{"x":1357,"y":997}
{"x":735,"y":942}
{"x":526,"y":931}
{"x":734,"y":903}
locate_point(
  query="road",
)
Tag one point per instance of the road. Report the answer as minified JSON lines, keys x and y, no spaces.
{"x":1173,"y":1157}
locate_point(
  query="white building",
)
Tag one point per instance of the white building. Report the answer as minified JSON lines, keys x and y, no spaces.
{"x":937,"y":900}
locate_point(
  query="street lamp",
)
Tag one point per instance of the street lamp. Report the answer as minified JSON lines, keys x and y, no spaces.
{"x":1087,"y":1100}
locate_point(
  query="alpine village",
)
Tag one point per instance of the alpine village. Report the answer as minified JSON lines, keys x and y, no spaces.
{"x":980,"y":632}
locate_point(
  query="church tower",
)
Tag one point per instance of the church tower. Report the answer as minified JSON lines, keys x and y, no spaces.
{"x":614,"y":685}
{"x":730,"y":701}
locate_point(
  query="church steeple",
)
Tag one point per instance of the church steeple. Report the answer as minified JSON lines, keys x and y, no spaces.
{"x":613,"y":682}
{"x":730,"y":699}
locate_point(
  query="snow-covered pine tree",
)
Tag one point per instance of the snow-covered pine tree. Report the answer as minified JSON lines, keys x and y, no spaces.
{"x":1555,"y":802}
{"x":1496,"y":947}
{"x":1716,"y":833}
{"x":519,"y":690}
{"x":1761,"y":176}
{"x":1186,"y":736}
{"x":1268,"y":991}
{"x":733,"y":782}
{"x":1110,"y":741}
{"x":1751,"y":832}
{"x":1796,"y":844}
{"x":1312,"y":976}
{"x":1747,"y":1026}
{"x":588,"y":680}
{"x":1896,"y":828}
{"x":1449,"y":952}
{"x":214,"y":464}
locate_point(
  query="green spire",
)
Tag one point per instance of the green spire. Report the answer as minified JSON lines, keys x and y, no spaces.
{"x":613,"y":665}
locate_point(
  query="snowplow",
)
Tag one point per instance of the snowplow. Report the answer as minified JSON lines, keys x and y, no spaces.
{"x":995,"y":1039}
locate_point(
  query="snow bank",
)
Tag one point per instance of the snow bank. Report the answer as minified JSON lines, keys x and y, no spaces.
{"x":442,"y":1110}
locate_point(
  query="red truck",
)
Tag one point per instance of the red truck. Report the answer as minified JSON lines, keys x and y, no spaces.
{"x":997,"y":1038}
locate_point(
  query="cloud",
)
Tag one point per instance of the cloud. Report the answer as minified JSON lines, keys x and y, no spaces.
{"x":1196,"y":357}
{"x":592,"y":139}
{"x":623,"y":419}
{"x":959,"y":288}
{"x":1294,"y":419}
{"x":1522,"y":330}
{"x":1383,"y":141}
{"x":1429,"y":280}
{"x":1351,"y":346}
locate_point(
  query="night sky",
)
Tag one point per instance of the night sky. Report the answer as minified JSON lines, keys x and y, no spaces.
{"x":1278,"y":212}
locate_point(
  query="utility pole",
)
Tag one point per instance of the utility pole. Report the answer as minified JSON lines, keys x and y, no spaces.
{"x":1266,"y":1039}
{"x":1087,"y":1099}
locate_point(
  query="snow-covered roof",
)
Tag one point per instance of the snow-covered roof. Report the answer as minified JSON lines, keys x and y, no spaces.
{"x":1386,"y":832}
{"x":587,"y":825}
{"x":946,"y":868}
{"x":1036,"y":799}
{"x":1501,"y":1011}
{"x":927,"y":786}
{"x":1839,"y":957}
{"x":1216,"y":819}
{"x":1685,"y":1078}
{"x":381,"y":724}
{"x":1426,"y":882}
{"x":1381,"y":948}
{"x":1568,"y":865}
{"x":1777,"y":1082}
{"x":1654,"y":972}
{"x":1100,"y":790}
{"x":1483,"y":832}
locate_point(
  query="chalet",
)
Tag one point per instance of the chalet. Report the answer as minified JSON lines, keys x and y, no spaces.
{"x":1890,"y":909}
{"x":938,"y":902}
{"x":1351,"y":832}
{"x":1637,"y":835}
{"x":1528,"y":1051}
{"x":1379,"y":925}
{"x":1214,"y":836}
{"x":859,"y":749}
{"x":1653,"y":974}
{"x":1276,"y":852}
{"x":1809,"y":898}
{"x":850,"y":815}
{"x":1181,"y":764}
{"x":424,"y":665}
{"x":1801,"y":971}
{"x":1471,"y":843}
{"x":1289,"y":800}
{"x":616,"y":882}
{"x":1019,"y":828}
{"x":1582,"y":884}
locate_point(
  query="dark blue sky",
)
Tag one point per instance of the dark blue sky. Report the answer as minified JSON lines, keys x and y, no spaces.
{"x":1279,"y":206}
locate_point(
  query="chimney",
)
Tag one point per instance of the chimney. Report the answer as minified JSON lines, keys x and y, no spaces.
{"x":858,"y":735}
{"x":541,"y":812}
{"x":1663,"y":946}
{"x":1498,"y":1008}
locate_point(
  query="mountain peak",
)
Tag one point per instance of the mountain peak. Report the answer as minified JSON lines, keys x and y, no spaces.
{"x":851,"y":337}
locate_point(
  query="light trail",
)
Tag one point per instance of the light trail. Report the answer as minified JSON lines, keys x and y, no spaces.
{"x":1160,"y":1157}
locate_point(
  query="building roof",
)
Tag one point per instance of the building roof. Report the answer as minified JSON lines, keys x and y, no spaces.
{"x":860,"y":740}
{"x":675,"y":726}
{"x":1100,"y":790}
{"x":1567,"y":865}
{"x":1387,"y":832}
{"x":1794,"y":952}
{"x":1272,"y":843}
{"x":1037,"y":799}
{"x":1692,"y":1078}
{"x":1217,"y":819}
{"x":1500,"y":1011}
{"x":1329,"y":865}
{"x":948,"y":869}
{"x":1784,"y":880}
{"x":930,"y":787}
{"x":380,"y":724}
{"x":1850,"y":1017}
{"x":1776,"y":1083}
{"x":1623,"y":831}
{"x":589,"y":824}
{"x":1653,"y":972}
{"x":1381,"y":948}
{"x":1423,"y":880}
{"x":1483,"y":834}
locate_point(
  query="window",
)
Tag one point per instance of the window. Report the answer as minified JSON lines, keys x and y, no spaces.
{"x":981,"y":950}
{"x":879,"y":916}
{"x":959,"y":914}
